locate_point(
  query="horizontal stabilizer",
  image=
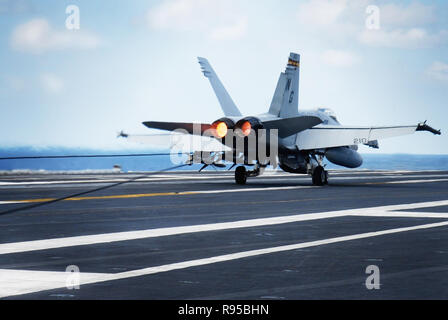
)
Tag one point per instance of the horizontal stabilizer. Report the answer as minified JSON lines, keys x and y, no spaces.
{"x":289,"y":126}
{"x":191,"y":128}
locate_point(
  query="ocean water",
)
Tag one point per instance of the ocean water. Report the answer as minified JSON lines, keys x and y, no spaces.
{"x":155,"y":163}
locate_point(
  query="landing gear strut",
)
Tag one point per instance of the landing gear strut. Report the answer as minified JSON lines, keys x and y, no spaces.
{"x":320,"y":176}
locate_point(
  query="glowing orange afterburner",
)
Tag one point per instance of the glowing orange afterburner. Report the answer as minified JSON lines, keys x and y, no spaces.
{"x":219,"y":129}
{"x":245,"y":128}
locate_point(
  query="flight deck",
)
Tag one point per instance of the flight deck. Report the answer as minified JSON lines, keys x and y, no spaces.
{"x":189,"y":235}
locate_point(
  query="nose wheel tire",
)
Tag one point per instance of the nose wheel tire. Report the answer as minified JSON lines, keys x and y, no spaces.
{"x":241,"y":175}
{"x":320,"y":176}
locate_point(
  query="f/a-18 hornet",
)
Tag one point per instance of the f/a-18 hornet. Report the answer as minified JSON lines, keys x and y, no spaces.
{"x":301,"y":139}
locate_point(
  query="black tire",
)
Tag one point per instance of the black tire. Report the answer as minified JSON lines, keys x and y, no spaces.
{"x":319,"y":175}
{"x":241,"y":175}
{"x":326,"y":177}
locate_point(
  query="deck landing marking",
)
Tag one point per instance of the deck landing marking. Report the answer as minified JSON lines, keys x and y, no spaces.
{"x":33,"y":245}
{"x":16,"y":282}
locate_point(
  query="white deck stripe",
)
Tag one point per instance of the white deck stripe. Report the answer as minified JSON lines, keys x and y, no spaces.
{"x":15,"y":247}
{"x":217,"y":177}
{"x":408,"y":206}
{"x":16,"y":282}
{"x":252,"y":189}
{"x":416,"y":181}
{"x":7,"y":248}
{"x":172,"y":193}
{"x":406,"y":214}
{"x":10,"y":202}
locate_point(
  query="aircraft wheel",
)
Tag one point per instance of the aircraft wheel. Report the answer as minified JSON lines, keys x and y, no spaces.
{"x":326,"y":177}
{"x":240,"y":175}
{"x":320,"y":176}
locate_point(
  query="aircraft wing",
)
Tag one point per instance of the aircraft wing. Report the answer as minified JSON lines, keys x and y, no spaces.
{"x":323,"y":136}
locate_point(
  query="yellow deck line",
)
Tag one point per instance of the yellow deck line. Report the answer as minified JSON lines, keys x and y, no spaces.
{"x":119,"y":196}
{"x":143,"y":195}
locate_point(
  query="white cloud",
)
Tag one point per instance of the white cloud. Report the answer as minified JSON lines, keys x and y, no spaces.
{"x":235,"y":31}
{"x":217,"y":19}
{"x":51,"y":83}
{"x":401,"y":25}
{"x":412,"y":15}
{"x":16,"y":6}
{"x":343,"y":12}
{"x":402,"y":38}
{"x":438,"y":70}
{"x":321,"y":12}
{"x":178,"y":14}
{"x":339,"y":58}
{"x":336,"y":20}
{"x":404,"y":26}
{"x":37,"y":36}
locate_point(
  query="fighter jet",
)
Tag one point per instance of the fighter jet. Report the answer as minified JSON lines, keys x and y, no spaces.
{"x":303,"y":138}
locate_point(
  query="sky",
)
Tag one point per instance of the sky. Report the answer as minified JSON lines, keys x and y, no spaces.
{"x":372,"y":62}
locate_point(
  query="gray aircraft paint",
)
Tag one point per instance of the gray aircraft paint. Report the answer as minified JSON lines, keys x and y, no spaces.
{"x":308,"y":136}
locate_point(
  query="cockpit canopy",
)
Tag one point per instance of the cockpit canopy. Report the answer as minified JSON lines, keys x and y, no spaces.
{"x":328,"y":112}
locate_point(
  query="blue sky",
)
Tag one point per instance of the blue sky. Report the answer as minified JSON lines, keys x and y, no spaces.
{"x":136,"y":61}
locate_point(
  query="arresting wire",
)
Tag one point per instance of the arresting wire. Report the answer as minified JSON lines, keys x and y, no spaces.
{"x":89,"y":191}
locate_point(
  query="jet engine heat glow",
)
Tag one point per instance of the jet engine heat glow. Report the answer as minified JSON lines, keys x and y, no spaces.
{"x":245,"y":128}
{"x":219,"y":129}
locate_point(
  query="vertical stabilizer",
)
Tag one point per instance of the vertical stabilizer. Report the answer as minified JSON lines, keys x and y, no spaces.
{"x":285,"y":103}
{"x":227,"y":105}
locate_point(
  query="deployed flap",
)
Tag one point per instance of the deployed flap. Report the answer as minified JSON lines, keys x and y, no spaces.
{"x":227,"y":105}
{"x":289,"y":126}
{"x":192,"y":128}
{"x":322,"y":137}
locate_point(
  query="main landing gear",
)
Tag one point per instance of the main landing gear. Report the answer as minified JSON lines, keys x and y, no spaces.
{"x":320,"y":176}
{"x":241,"y":173}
